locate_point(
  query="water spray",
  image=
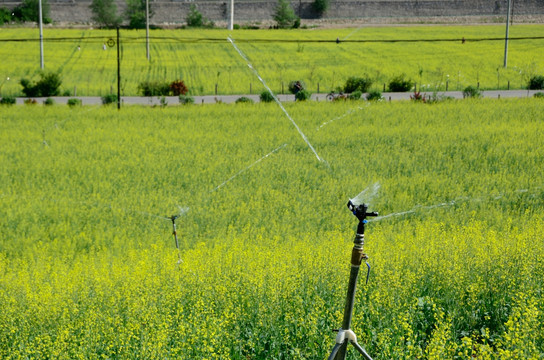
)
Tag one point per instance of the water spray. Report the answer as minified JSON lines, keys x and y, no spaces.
{"x":275,"y":99}
{"x":345,"y":335}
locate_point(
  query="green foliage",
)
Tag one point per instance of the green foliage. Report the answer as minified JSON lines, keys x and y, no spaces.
{"x":536,"y":82}
{"x":105,"y":13}
{"x":356,"y":95}
{"x":28,"y":10}
{"x":154,"y":88}
{"x":284,"y":15}
{"x":361,"y":84}
{"x":109,"y":99}
{"x":5,"y":16}
{"x":48,"y":85}
{"x":266,"y":96}
{"x":374,"y":95}
{"x":244,"y":99}
{"x":49,"y":101}
{"x":320,"y":6}
{"x":8,"y":100}
{"x":400,"y":83}
{"x":135,"y":13}
{"x":195,"y":19}
{"x":539,"y":95}
{"x":73,"y":102}
{"x":303,"y":95}
{"x":472,"y":92}
{"x":186,"y":100}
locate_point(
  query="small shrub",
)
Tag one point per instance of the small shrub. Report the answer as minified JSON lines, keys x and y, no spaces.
{"x":74,"y":102}
{"x":418,"y":97}
{"x":357,"y":83}
{"x":296,"y":86}
{"x":196,"y":19}
{"x":284,"y":15}
{"x":266,"y":96}
{"x":296,"y":23}
{"x":539,"y":95}
{"x":66,"y":93}
{"x":244,"y":99}
{"x":400,"y":84}
{"x":303,"y":95}
{"x":178,"y":87}
{"x":472,"y":92}
{"x":109,"y":99}
{"x":536,"y":82}
{"x":320,"y":6}
{"x":186,"y":100}
{"x":374,"y":95}
{"x":8,"y":100}
{"x":48,"y":85}
{"x":154,"y":88}
{"x":5,"y":16}
{"x":356,"y":95}
{"x":235,"y":26}
{"x":49,"y":101}
{"x":30,"y":102}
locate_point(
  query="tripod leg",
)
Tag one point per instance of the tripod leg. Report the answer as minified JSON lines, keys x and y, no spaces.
{"x":334,"y":351}
{"x":361,"y":350}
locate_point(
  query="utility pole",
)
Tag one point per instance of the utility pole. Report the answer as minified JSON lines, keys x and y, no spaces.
{"x":40,"y":21}
{"x":147,"y":28}
{"x":506,"y":37}
{"x":118,"y":73}
{"x":231,"y":18}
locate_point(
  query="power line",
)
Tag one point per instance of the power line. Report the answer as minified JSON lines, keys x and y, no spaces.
{"x":175,"y":40}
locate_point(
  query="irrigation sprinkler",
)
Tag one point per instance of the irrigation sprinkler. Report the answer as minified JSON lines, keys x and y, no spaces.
{"x":345,"y":335}
{"x":174,"y":232}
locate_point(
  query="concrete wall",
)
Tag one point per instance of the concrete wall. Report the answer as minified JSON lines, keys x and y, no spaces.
{"x":175,"y":11}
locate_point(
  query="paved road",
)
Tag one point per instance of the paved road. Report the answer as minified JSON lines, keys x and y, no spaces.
{"x":210,"y":99}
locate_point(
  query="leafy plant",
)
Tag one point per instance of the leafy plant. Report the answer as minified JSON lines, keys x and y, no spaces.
{"x":196,"y":19}
{"x":109,"y":99}
{"x":303,"y":95}
{"x":356,"y":95}
{"x":266,"y":96}
{"x":105,"y":13}
{"x":5,"y":15}
{"x":73,"y":102}
{"x":536,"y":82}
{"x":49,"y":101}
{"x":244,"y":99}
{"x":8,"y":100}
{"x":28,"y":10}
{"x":400,"y":84}
{"x":539,"y":95}
{"x":374,"y":95}
{"x":472,"y":92}
{"x":186,"y":100}
{"x":178,"y":87}
{"x":135,"y":13}
{"x":357,"y":83}
{"x":48,"y":85}
{"x":320,"y":6}
{"x":284,"y":15}
{"x":156,"y":88}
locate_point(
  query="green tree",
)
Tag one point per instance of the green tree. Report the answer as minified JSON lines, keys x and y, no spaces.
{"x":320,"y":6}
{"x":29,"y":11}
{"x":284,"y":14}
{"x":135,"y":14}
{"x":196,"y":19}
{"x":105,"y":13}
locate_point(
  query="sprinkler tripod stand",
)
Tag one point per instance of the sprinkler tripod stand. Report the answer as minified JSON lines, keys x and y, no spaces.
{"x":174,"y":232}
{"x":345,"y":334}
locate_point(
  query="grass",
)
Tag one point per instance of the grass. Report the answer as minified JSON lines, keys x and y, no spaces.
{"x":88,"y":265}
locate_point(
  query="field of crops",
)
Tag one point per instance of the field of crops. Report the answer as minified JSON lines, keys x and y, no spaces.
{"x":204,"y":58}
{"x":88,"y":264}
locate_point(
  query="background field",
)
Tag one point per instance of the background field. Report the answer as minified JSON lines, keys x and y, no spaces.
{"x":204,"y":58}
{"x":88,"y":267}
